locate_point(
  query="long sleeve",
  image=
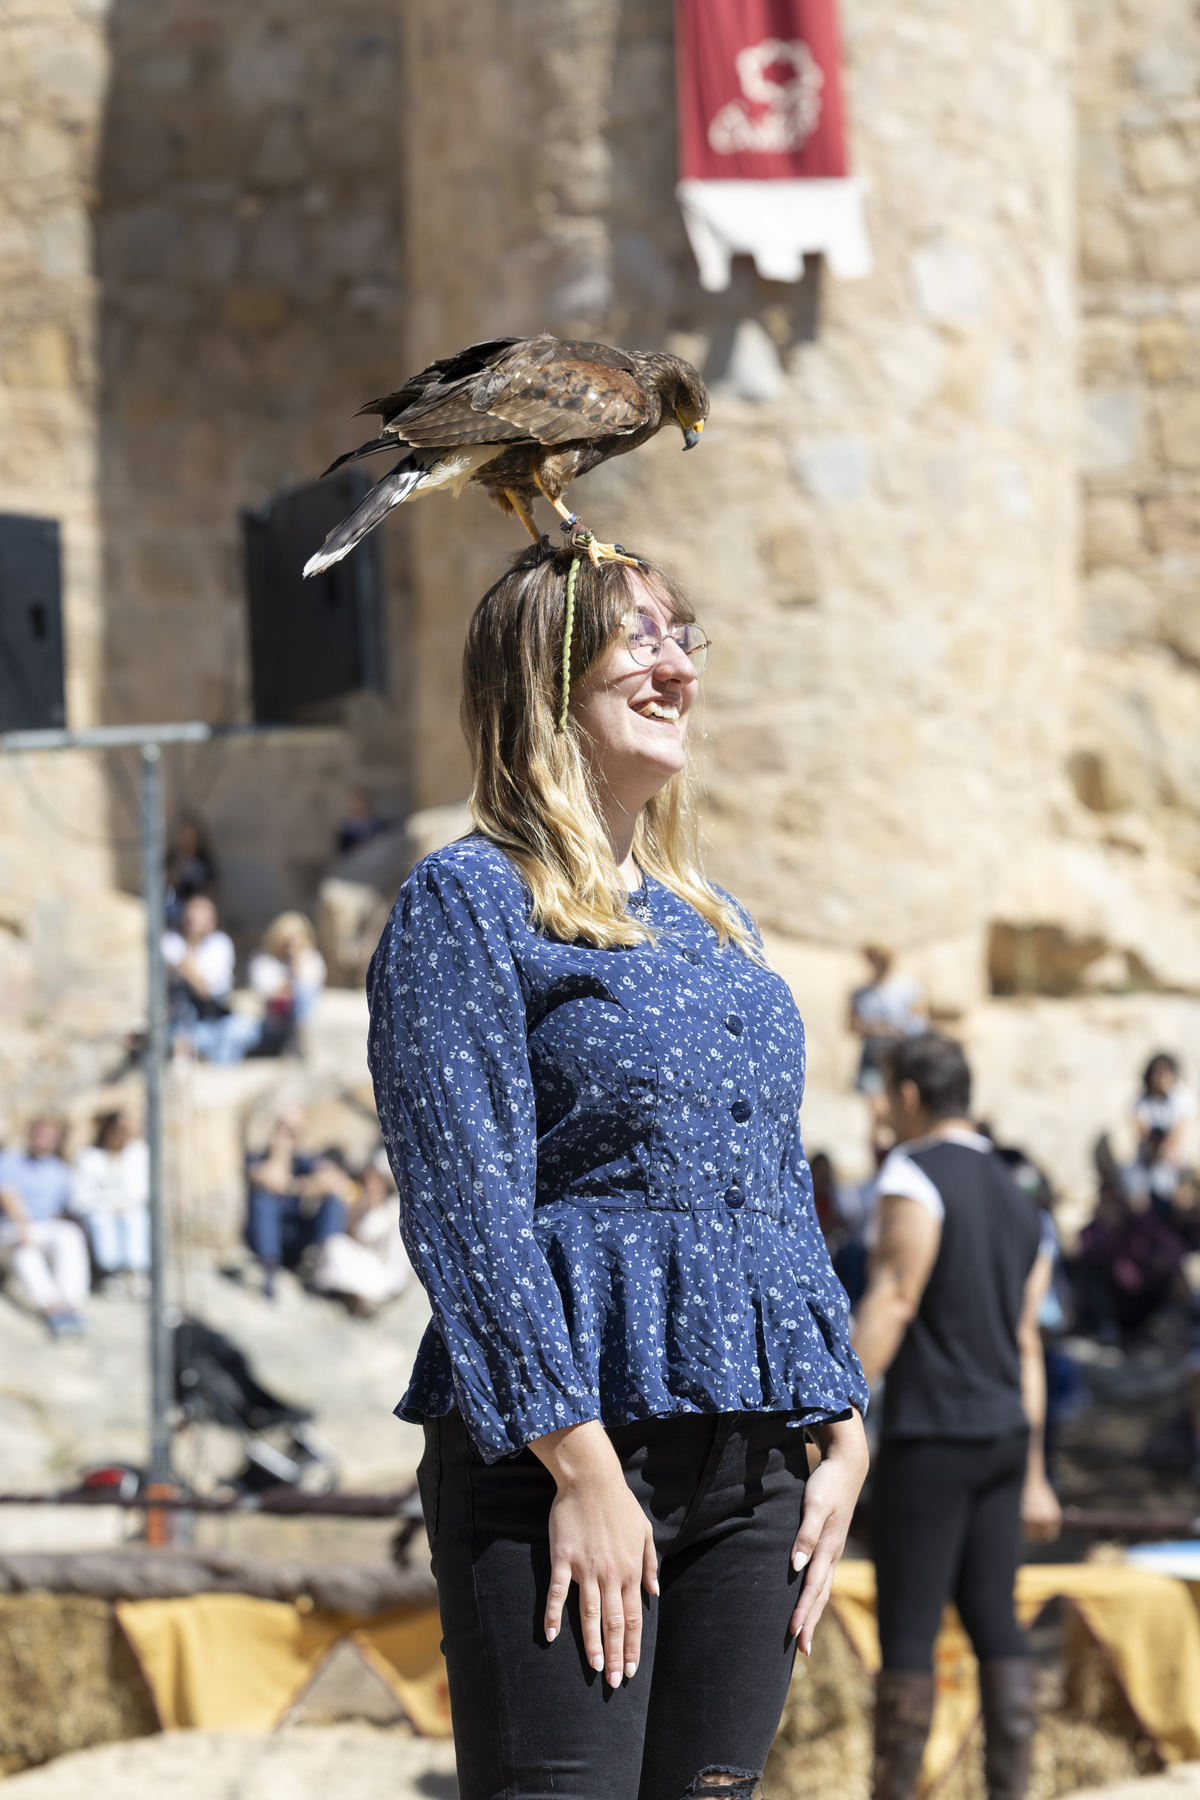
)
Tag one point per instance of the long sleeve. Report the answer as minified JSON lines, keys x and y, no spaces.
{"x":450,"y":1063}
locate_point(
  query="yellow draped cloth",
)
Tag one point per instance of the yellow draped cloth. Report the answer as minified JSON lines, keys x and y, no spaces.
{"x":226,"y":1662}
{"x":1146,"y":1624}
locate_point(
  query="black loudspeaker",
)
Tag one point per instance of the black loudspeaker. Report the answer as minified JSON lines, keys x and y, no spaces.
{"x":31,"y":640}
{"x":310,"y":641}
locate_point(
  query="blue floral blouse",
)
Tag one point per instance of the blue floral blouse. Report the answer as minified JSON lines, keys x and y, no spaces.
{"x":603,"y":1188}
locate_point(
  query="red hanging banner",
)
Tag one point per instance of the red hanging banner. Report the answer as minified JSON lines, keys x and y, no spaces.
{"x":762,"y":140}
{"x":760,"y":92}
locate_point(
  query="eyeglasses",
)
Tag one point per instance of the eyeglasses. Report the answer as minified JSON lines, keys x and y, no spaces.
{"x":646,"y":642}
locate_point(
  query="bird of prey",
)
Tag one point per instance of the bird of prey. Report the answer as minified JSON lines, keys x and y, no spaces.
{"x":519,"y":417}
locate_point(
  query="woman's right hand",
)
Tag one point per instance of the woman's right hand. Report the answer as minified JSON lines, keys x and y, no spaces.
{"x":601,"y":1539}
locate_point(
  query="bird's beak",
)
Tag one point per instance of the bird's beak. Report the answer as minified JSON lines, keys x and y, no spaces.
{"x":691,"y":434}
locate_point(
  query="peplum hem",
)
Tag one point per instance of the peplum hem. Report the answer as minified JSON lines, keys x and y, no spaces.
{"x":669,"y":1312}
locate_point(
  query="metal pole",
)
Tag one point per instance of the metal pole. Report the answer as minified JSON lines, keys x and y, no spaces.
{"x":153,"y":892}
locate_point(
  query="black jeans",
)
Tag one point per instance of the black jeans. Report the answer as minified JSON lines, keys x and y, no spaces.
{"x":946,"y":1525}
{"x":531,"y":1720}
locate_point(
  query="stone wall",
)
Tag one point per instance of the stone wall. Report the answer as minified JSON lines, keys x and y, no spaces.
{"x":251,"y":294}
{"x":69,"y":946}
{"x":1136,"y":747}
{"x":879,"y":527}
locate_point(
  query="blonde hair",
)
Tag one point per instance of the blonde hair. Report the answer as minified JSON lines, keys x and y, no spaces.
{"x":288,"y":925}
{"x":534,"y":791}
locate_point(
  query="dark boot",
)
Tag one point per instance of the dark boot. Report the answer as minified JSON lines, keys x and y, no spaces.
{"x":1006,"y":1688}
{"x":903,"y":1709}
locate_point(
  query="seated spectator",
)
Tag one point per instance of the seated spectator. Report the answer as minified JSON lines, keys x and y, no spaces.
{"x":190,"y":867}
{"x":1165,"y":1106}
{"x":889,"y":1008}
{"x":294,"y":1201}
{"x":112,"y":1195}
{"x":288,"y":974}
{"x":48,"y":1252}
{"x":361,"y":822}
{"x":1128,"y":1264}
{"x":200,"y":958}
{"x":366,"y":1266}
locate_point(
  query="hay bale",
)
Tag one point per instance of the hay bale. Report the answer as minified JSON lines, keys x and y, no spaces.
{"x":823,"y":1747}
{"x":68,"y":1679}
{"x":1087,"y":1736}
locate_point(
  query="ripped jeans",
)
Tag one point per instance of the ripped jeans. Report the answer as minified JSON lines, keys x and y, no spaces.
{"x":531,"y":1720}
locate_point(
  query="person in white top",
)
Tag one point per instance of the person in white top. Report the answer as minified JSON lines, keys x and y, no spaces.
{"x":201,"y":960}
{"x":1166,"y":1106}
{"x":889,"y":1008}
{"x":112,"y":1194}
{"x":366,"y":1265}
{"x":288,"y":975}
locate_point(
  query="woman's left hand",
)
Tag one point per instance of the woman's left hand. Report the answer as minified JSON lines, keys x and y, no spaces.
{"x":830,"y":1496}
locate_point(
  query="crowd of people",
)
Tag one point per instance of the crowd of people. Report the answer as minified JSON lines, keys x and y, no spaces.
{"x":337,"y":1229}
{"x":67,"y":1227}
{"x":71,"y":1227}
{"x":285,"y":975}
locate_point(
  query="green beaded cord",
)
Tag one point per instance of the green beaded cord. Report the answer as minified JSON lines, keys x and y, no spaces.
{"x":568,"y":629}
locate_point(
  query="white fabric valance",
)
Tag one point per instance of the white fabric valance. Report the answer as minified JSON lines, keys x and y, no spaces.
{"x":777,"y":223}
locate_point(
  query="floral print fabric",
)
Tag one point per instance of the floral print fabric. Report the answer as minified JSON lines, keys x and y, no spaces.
{"x":603,"y":1186}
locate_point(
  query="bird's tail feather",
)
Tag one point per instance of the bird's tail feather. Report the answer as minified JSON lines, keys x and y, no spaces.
{"x":387,"y":442}
{"x":395,"y":487}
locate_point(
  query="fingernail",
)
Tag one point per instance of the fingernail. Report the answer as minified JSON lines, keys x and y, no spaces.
{"x":630,"y":1671}
{"x":614,"y":1678}
{"x":552,"y":1634}
{"x":799,"y":1561}
{"x":598,"y":1660}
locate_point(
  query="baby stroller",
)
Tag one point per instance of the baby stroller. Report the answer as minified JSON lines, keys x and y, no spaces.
{"x":215,"y":1384}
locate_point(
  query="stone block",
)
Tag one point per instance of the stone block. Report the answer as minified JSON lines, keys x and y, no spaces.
{"x":39,"y":358}
{"x":1179,"y":623}
{"x":749,"y":750}
{"x":948,"y":282}
{"x":1168,"y":66}
{"x":164,"y":73}
{"x":254,"y":309}
{"x":1166,"y":347}
{"x":1111,"y":429}
{"x":1179,"y":429}
{"x":142,"y":243}
{"x":1161,"y":160}
{"x":260,"y":74}
{"x":71,"y":71}
{"x":1106,"y":246}
{"x":46,"y":152}
{"x":166,"y":567}
{"x":787,"y":551}
{"x":1118,"y":609}
{"x":1173,"y":522}
{"x":63,"y":245}
{"x":353,"y":247}
{"x":1112,"y":530}
{"x":1169,"y":233}
{"x":835,"y":468}
{"x":1108,"y":350}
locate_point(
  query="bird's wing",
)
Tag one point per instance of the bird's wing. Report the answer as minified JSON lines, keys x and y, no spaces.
{"x":545,"y":391}
{"x":440,"y":376}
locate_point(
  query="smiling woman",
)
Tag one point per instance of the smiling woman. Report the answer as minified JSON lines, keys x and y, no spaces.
{"x":583,"y":813}
{"x":589,"y":1083}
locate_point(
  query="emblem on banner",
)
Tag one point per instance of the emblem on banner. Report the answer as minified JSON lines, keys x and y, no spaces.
{"x":793,"y":105}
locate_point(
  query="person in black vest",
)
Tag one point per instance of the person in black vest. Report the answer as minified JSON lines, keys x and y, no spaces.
{"x":957,"y":1278}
